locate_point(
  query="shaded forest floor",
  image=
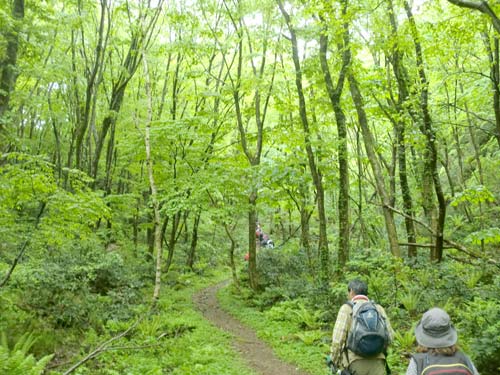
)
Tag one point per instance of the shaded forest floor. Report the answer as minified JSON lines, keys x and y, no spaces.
{"x":258,"y":355}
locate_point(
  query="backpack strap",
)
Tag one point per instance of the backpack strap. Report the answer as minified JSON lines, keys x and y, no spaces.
{"x":420,"y":359}
{"x":345,"y":350}
{"x":350,"y":303}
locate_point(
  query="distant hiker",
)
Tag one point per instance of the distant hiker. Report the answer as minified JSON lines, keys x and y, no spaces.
{"x":437,"y":351}
{"x":361,"y":334}
{"x":266,"y":242}
{"x":263,"y":238}
{"x":258,"y":232}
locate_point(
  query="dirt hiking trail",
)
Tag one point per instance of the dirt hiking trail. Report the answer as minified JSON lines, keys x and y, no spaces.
{"x":258,"y":355}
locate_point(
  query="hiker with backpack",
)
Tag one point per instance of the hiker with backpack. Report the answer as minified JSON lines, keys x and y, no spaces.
{"x":361,"y":334}
{"x":437,"y":351}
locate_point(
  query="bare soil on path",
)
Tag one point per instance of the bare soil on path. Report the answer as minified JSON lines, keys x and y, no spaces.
{"x":256,"y":353}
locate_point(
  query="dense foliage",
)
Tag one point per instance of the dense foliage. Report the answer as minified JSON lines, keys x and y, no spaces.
{"x":142,"y":141}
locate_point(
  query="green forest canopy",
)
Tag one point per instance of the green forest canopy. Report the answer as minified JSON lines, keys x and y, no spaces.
{"x":152,"y":136}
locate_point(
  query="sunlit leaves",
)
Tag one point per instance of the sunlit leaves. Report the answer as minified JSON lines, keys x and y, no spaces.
{"x":473,"y":195}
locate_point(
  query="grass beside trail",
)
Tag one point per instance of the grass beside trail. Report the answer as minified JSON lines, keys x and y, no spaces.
{"x":176,"y":340}
{"x":284,"y":337}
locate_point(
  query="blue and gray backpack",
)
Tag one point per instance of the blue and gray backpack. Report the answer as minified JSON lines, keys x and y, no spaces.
{"x":368,"y":335}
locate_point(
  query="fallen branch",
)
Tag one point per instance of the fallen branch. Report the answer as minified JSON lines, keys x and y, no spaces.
{"x":23,"y":248}
{"x":105,"y":346}
{"x":428,"y":245}
{"x":451,"y":244}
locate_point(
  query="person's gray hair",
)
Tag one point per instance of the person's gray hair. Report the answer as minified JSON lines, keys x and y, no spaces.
{"x":358,"y":287}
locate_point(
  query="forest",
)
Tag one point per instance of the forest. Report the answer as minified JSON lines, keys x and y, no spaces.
{"x":144,"y":142}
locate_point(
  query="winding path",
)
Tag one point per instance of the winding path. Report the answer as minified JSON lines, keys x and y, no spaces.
{"x":258,"y":355}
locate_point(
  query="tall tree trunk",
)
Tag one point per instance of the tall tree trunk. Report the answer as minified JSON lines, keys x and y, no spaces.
{"x":86,"y":111}
{"x":430,"y":134}
{"x":158,"y":250}
{"x":260,"y":102}
{"x":8,"y":65}
{"x":494,"y":59}
{"x":315,"y":171}
{"x":109,"y":121}
{"x":400,"y":129}
{"x":335,"y":94}
{"x":375,"y":164}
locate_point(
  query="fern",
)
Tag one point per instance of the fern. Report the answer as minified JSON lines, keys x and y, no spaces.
{"x":18,"y":361}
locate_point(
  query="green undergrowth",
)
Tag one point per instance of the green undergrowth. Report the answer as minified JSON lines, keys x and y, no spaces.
{"x":289,"y":341}
{"x":175,"y":340}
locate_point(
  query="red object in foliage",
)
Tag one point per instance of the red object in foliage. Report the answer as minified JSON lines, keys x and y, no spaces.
{"x":247,"y":256}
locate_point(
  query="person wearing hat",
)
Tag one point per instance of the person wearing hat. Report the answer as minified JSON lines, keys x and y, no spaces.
{"x":437,"y":347}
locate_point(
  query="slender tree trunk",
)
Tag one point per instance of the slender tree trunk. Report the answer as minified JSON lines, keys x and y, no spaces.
{"x":375,"y":164}
{"x":8,"y":72}
{"x":400,"y":129}
{"x":305,"y":241}
{"x":158,"y":250}
{"x":260,"y":101}
{"x":232,"y":263}
{"x":315,"y":171}
{"x":194,"y":242}
{"x":57,"y":151}
{"x":430,"y":134}
{"x":86,"y":111}
{"x":252,"y":244}
{"x":335,"y":95}
{"x":172,"y":241}
{"x":494,"y":59}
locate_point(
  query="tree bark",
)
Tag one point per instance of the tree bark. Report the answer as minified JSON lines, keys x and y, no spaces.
{"x":8,"y":65}
{"x":86,"y":112}
{"x":335,"y":94}
{"x":232,"y":263}
{"x":494,"y":59}
{"x":260,"y":102}
{"x":194,"y":242}
{"x":403,"y":96}
{"x":315,"y":171}
{"x":158,"y":250}
{"x":375,"y":164}
{"x":430,"y":134}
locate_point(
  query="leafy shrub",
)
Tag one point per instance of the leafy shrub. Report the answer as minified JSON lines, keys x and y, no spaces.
{"x":283,"y":275}
{"x":479,"y":329}
{"x":78,"y":287}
